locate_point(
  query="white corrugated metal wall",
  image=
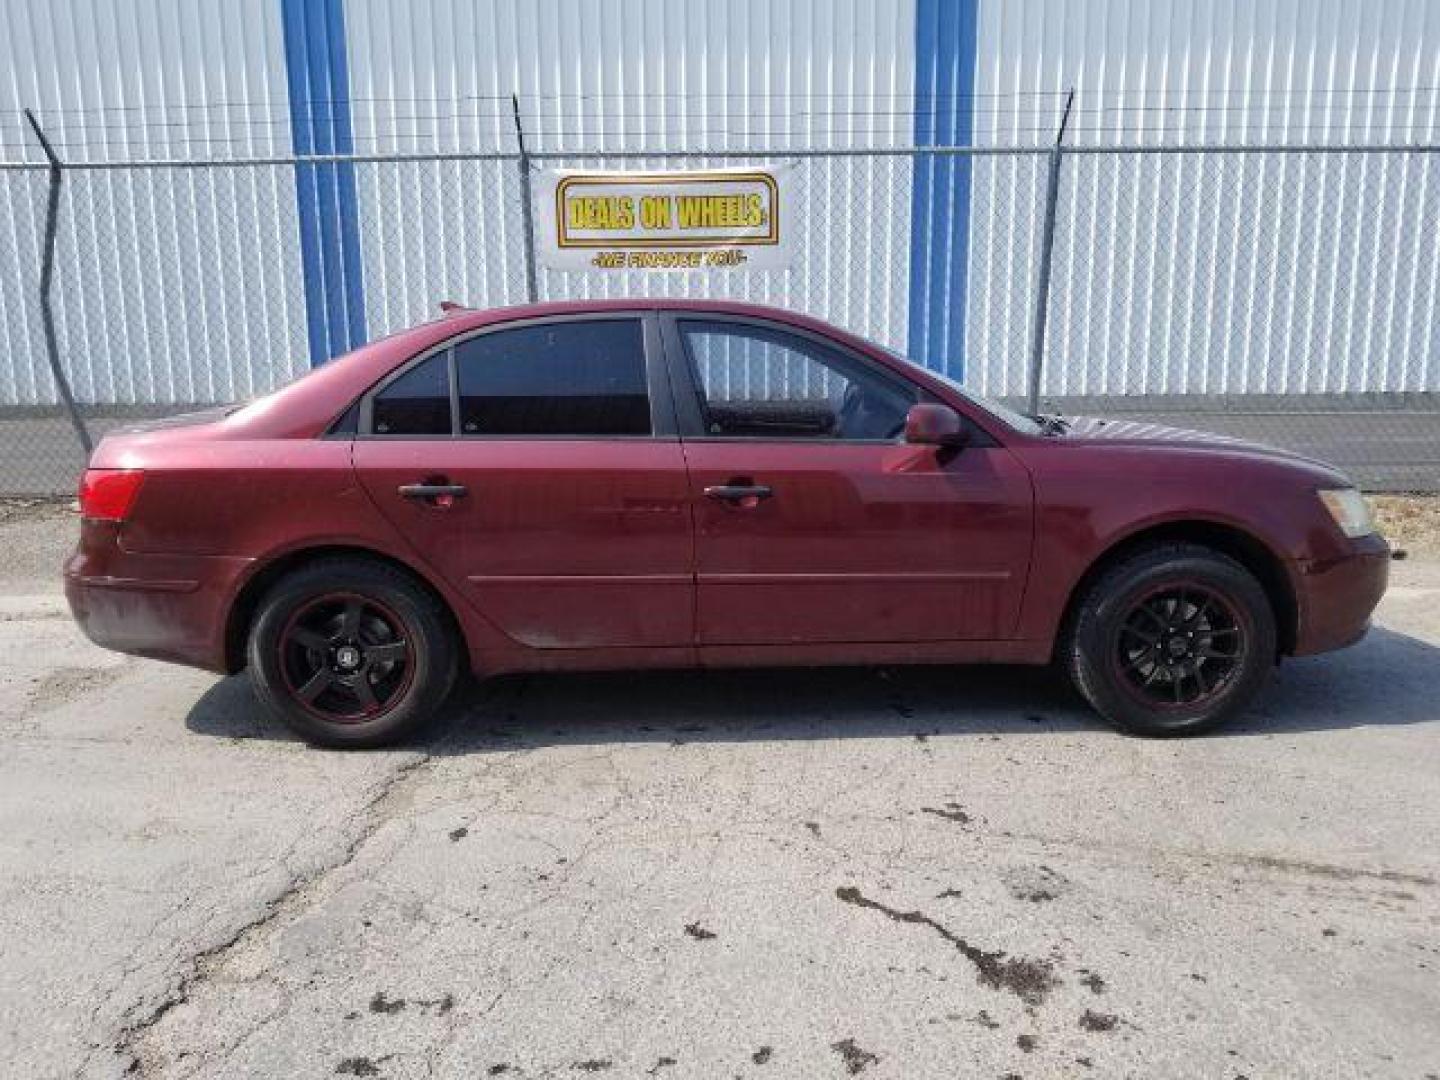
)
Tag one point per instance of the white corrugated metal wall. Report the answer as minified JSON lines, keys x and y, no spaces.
{"x":623,"y":76}
{"x":1171,"y":275}
{"x":1258,"y":274}
{"x":171,"y":286}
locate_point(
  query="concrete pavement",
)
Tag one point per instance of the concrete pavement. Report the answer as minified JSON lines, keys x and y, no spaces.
{"x":886,"y":874}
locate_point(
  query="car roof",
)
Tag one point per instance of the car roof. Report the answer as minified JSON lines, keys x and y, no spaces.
{"x":308,"y":406}
{"x":541,"y":309}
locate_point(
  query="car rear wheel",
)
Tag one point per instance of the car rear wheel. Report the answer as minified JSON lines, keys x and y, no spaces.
{"x":1172,"y":640}
{"x":351,"y":653}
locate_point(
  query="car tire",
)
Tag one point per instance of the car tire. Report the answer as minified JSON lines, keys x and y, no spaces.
{"x":352,"y":653}
{"x":1171,"y":640}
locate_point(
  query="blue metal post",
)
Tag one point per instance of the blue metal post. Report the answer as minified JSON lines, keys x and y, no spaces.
{"x":320,"y":123}
{"x":945,"y":53}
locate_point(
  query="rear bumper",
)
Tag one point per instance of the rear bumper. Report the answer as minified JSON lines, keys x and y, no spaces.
{"x":1337,"y":596}
{"x":166,"y":607}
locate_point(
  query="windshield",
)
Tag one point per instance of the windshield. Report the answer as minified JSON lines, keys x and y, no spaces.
{"x":1009,"y":417}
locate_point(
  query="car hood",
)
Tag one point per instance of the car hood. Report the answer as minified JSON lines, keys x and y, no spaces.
{"x":1093,"y":429}
{"x":1142,"y":431}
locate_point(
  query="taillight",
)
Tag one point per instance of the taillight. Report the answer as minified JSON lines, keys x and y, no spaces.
{"x":107,"y":494}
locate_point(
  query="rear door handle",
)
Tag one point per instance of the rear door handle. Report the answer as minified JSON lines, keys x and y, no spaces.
{"x":746,"y":495}
{"x":439,"y":496}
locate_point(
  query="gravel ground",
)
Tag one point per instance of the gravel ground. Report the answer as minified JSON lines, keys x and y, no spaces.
{"x":1411,"y":522}
{"x":885,"y":874}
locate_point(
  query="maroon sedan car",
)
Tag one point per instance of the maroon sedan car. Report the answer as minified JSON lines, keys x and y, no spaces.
{"x":672,"y":483}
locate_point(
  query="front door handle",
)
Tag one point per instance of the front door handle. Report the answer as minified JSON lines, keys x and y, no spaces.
{"x":439,"y":496}
{"x":746,"y":496}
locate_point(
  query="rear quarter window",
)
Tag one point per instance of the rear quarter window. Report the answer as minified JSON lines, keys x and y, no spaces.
{"x":417,"y":403}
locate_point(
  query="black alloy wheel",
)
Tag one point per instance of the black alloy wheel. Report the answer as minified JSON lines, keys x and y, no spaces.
{"x":1172,"y":639}
{"x":1179,"y":645}
{"x":346,"y":658}
{"x":352,"y":652}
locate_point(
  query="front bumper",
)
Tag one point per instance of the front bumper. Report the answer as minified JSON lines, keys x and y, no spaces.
{"x":166,"y":607}
{"x":1336,"y":597}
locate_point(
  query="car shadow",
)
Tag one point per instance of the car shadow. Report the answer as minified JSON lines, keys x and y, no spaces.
{"x":1388,"y":679}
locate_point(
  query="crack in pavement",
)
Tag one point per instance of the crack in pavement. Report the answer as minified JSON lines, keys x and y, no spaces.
{"x":1287,"y":865}
{"x":1029,"y":980}
{"x":201,"y":965}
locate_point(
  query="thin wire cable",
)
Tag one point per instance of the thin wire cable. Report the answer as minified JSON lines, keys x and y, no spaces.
{"x":270,"y":104}
{"x":65,"y":126}
{"x":909,"y":95}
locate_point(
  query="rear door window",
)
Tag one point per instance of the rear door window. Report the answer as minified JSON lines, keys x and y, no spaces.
{"x":574,"y":378}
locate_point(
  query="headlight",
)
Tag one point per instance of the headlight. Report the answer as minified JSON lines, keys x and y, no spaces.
{"x":1349,"y":509}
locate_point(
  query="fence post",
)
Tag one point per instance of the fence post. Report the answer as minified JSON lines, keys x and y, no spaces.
{"x":1047,"y":247}
{"x":47,"y":277}
{"x":527,"y":218}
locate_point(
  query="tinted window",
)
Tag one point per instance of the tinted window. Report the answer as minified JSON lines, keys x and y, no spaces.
{"x":757,"y":382}
{"x":417,"y":403}
{"x":565,"y":378}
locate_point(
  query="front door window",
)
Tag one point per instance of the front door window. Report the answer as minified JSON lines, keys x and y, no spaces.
{"x":757,"y":382}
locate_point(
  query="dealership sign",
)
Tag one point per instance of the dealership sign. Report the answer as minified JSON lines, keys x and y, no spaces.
{"x":713,"y":219}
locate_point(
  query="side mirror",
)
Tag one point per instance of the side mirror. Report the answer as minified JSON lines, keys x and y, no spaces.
{"x":932,"y":424}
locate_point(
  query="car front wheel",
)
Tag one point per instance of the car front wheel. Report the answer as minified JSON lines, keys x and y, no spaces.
{"x":1172,"y":640}
{"x":351,"y":653}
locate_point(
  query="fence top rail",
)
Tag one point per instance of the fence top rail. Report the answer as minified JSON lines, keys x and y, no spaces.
{"x":749,"y":153}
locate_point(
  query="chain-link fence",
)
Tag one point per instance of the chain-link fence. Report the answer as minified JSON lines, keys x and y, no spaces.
{"x":1286,"y":294}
